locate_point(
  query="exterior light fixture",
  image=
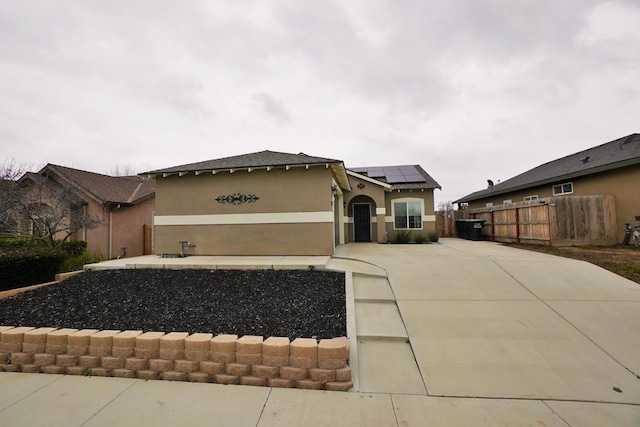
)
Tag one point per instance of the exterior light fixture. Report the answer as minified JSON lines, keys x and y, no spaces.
{"x":334,"y":190}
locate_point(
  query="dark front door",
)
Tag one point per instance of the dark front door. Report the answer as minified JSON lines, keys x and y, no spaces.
{"x":362,"y":222}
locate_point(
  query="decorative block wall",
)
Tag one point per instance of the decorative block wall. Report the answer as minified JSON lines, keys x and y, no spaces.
{"x":177,"y":356}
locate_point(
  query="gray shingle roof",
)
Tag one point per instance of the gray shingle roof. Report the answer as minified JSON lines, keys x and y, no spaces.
{"x":621,"y":152}
{"x":252,"y":160}
{"x":401,"y":177}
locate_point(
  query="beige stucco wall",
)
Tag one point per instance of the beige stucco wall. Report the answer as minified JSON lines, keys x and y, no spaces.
{"x":428,"y":219}
{"x":127,"y":227}
{"x":363,"y":191}
{"x":382,"y":227}
{"x":122,"y":227}
{"x":621,"y":183}
{"x":292,"y":216}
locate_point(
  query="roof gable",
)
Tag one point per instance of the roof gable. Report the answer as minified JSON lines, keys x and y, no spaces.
{"x":103,"y":188}
{"x":618,"y":153}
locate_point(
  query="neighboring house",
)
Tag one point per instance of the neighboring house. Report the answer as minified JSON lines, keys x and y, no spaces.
{"x":271,"y":203}
{"x":608,"y":169}
{"x":122,"y":206}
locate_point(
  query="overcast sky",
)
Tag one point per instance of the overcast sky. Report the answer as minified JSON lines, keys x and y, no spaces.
{"x":469,"y":89}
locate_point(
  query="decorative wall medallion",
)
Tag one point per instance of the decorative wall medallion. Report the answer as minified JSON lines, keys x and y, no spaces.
{"x":237,"y":198}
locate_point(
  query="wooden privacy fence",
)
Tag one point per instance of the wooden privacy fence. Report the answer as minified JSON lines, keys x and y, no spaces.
{"x":560,"y":221}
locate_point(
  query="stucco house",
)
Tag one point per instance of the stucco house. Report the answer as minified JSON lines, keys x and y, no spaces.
{"x":122,"y":206}
{"x":612,"y":169}
{"x":273,"y":203}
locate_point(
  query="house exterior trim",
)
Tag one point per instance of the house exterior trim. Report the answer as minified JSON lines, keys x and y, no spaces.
{"x":246,"y":218}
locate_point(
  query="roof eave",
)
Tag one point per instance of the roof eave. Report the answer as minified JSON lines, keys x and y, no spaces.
{"x":577,"y":174}
{"x":384,"y":185}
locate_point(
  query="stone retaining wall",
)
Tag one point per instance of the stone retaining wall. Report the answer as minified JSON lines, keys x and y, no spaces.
{"x":178,"y":356}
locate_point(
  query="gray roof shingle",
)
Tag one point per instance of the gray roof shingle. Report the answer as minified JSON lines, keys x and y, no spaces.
{"x":252,"y":160}
{"x":618,"y":153}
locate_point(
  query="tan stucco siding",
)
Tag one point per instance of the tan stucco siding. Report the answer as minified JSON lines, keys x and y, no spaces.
{"x":621,"y":183}
{"x":428,"y":218}
{"x":366,"y":192}
{"x":249,"y":239}
{"x":127,"y":224}
{"x":293,"y":213}
{"x":295,"y":190}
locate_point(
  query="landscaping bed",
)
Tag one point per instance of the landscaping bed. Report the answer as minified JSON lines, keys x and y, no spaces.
{"x":267,"y":303}
{"x":622,"y":260}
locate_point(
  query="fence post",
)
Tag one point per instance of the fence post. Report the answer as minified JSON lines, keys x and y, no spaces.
{"x":493,"y":226}
{"x":517,"y":225}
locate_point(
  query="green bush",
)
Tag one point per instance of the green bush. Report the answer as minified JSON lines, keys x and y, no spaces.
{"x":419,"y":239}
{"x":28,"y":266}
{"x":11,"y":243}
{"x":433,"y":236}
{"x":403,"y":236}
{"x":74,"y":248}
{"x":78,"y":262}
{"x":27,"y":261}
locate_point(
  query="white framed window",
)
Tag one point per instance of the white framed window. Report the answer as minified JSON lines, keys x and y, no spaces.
{"x":507,"y":202}
{"x":530,"y":198}
{"x":566,"y":188}
{"x":407,"y":214}
{"x":488,"y":205}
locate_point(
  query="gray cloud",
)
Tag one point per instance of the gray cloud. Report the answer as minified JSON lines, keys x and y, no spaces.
{"x":375,"y":82}
{"x":272,"y":107}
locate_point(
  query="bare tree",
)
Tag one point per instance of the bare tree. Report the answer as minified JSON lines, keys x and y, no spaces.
{"x":445,"y":206}
{"x":37,"y":206}
{"x":122,"y":170}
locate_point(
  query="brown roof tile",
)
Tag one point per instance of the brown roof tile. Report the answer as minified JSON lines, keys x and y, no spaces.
{"x":104,"y":188}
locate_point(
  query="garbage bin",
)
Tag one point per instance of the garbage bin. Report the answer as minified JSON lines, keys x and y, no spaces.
{"x":470,"y":229}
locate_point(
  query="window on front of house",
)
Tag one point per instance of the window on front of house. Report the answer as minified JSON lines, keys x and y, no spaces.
{"x":530,"y":198}
{"x":407,"y":215}
{"x":561,"y":189}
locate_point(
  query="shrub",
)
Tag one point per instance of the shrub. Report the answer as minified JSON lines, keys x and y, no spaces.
{"x":28,"y":265}
{"x":403,"y":236}
{"x":433,"y":236}
{"x":419,"y":239}
{"x":73,"y":248}
{"x":28,"y":261}
{"x":78,"y":262}
{"x":12,"y":243}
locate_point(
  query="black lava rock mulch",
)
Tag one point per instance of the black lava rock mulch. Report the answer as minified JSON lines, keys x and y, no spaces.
{"x":255,"y":302}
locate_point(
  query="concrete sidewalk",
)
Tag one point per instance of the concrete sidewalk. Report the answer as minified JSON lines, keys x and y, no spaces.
{"x":455,"y":333}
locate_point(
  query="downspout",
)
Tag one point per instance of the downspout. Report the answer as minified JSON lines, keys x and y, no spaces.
{"x":84,"y":228}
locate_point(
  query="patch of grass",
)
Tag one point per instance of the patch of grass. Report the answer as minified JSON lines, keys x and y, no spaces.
{"x":433,"y":236}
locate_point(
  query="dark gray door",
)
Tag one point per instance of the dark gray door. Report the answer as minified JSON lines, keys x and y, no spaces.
{"x":362,"y":222}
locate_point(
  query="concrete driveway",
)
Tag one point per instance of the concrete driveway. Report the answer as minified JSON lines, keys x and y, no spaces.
{"x":455,"y":333}
{"x":488,"y":321}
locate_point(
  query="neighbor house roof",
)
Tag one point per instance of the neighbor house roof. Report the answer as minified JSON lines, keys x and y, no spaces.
{"x":402,"y":177}
{"x":259,"y":160}
{"x":618,"y":153}
{"x":102,"y":188}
